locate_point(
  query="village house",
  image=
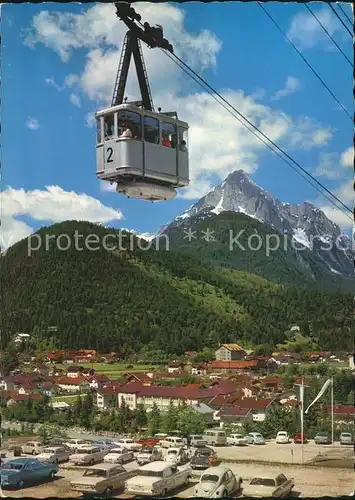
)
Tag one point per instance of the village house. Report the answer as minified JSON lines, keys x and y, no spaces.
{"x":230,"y":352}
{"x":106,"y":398}
{"x":18,"y":398}
{"x":254,"y":409}
{"x":232,"y":414}
{"x":343,"y":414}
{"x":175,"y":366}
{"x":73,"y":384}
{"x":97,"y":381}
{"x":7,"y":384}
{"x":139,"y":377}
{"x":199,"y":369}
{"x":205,"y":411}
{"x":244,"y":366}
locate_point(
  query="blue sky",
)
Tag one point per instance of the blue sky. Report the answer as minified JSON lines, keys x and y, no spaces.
{"x":59,"y":63}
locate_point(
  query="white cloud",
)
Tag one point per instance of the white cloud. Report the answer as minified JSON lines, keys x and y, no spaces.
{"x":51,"y":81}
{"x":32,"y":124}
{"x":218,"y":143}
{"x":347,"y":157}
{"x":345,"y":193}
{"x":52,"y":204}
{"x":292,"y":85}
{"x":75,"y":99}
{"x":334,"y":166}
{"x":306,"y":32}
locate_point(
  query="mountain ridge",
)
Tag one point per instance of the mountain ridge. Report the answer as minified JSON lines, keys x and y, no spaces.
{"x":303,"y":222}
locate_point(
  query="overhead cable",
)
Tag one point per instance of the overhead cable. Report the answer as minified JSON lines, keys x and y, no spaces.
{"x":328,"y":34}
{"x":340,"y":19}
{"x":305,"y":60}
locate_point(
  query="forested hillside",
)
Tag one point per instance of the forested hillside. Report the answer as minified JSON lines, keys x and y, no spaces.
{"x":235,"y":245}
{"x":123,"y":299}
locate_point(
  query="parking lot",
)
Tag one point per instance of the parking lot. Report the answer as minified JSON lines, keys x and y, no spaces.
{"x":309,"y":482}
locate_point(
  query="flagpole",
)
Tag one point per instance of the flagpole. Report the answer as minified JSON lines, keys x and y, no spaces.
{"x":332,"y":409}
{"x":302,"y":415}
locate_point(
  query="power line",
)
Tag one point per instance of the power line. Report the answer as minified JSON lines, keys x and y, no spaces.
{"x":345,"y":14}
{"x":329,"y":35}
{"x":206,"y":86}
{"x":340,"y":19}
{"x":305,"y":60}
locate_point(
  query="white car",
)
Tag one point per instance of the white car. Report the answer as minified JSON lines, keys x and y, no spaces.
{"x":55,"y":454}
{"x":118,"y":456}
{"x":74,"y":444}
{"x":282,"y":437}
{"x":237,"y":440}
{"x":88,"y":455}
{"x":217,"y":482}
{"x":149,"y":454}
{"x":157,"y":479}
{"x":274,"y":486}
{"x":129,"y":444}
{"x":177,"y":456}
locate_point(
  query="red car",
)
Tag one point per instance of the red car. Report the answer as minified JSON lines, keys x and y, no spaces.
{"x":297,"y":438}
{"x":150,"y":441}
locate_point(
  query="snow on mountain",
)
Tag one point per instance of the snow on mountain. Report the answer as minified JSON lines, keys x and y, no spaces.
{"x":307,"y":225}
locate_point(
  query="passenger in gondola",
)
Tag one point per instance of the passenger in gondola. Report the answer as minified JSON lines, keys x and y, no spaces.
{"x":172,"y":139}
{"x":165,"y":142}
{"x":183,"y":146}
{"x":126,"y":132}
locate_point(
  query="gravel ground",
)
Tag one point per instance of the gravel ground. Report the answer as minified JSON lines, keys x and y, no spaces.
{"x":308,"y":482}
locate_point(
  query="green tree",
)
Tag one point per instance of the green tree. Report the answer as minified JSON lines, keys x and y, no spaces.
{"x":140,"y":417}
{"x":87,"y":411}
{"x":154,"y":420}
{"x":190,"y":422}
{"x":9,"y":360}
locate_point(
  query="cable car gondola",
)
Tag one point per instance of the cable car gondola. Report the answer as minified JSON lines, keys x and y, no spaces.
{"x":143,"y":151}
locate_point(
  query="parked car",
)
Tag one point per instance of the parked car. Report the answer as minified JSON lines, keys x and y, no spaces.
{"x":237,"y":440}
{"x":32,"y":447}
{"x":102,"y":479}
{"x":217,"y":482}
{"x":118,"y":456}
{"x":255,"y":438}
{"x":322,"y":438}
{"x":282,"y":437}
{"x":172,"y":441}
{"x":74,"y":444}
{"x":107,"y":444}
{"x":346,"y":438}
{"x":150,"y":441}
{"x":177,"y":455}
{"x":88,"y":455}
{"x":157,"y":479}
{"x":55,"y":454}
{"x":129,"y":444}
{"x":204,"y":458}
{"x":149,"y":454}
{"x":274,"y":486}
{"x":21,"y":471}
{"x":297,"y":438}
{"x":215,"y":437}
{"x":194,"y":439}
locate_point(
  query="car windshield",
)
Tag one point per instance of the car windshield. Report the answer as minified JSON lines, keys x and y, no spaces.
{"x":212,"y":478}
{"x":322,"y":434}
{"x":83,"y":451}
{"x":202,"y":451}
{"x":48,"y":450}
{"x":282,"y":433}
{"x":14,"y":466}
{"x":147,"y":449}
{"x":172,"y":452}
{"x":151,"y":473}
{"x":262,"y":481}
{"x":116,"y":450}
{"x":257,"y":435}
{"x":95,"y":473}
{"x":128,"y":441}
{"x":346,"y":434}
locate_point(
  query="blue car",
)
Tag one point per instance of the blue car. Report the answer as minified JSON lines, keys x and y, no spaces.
{"x":105,"y":444}
{"x":20,"y":471}
{"x":255,"y":438}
